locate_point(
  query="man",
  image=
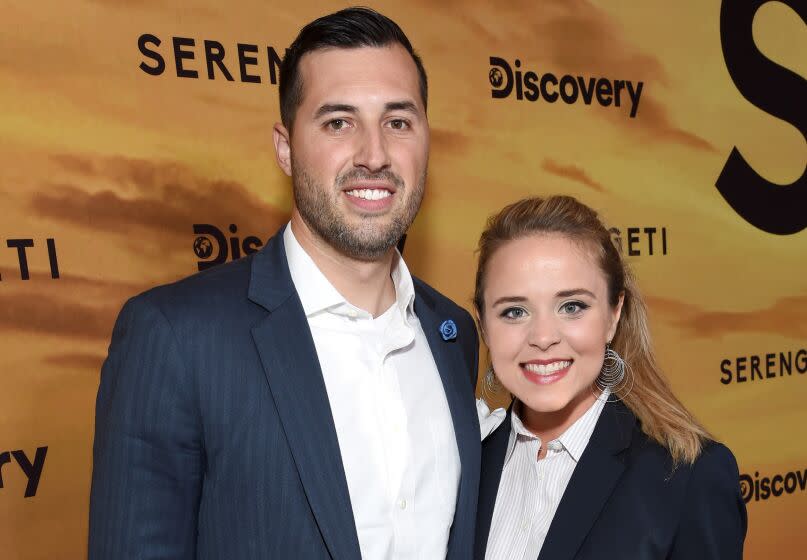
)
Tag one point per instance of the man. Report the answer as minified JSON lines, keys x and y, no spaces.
{"x":312,"y":400}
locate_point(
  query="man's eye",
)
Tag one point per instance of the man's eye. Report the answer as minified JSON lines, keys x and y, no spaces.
{"x":399,"y":124}
{"x":337,"y":124}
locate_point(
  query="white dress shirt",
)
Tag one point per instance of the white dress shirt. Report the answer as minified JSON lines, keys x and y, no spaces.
{"x":530,"y":489}
{"x":395,"y":431}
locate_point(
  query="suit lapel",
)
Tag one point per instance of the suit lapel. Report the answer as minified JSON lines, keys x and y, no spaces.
{"x":292,"y":370}
{"x":453,"y":369}
{"x":494,"y":449}
{"x":592,"y":482}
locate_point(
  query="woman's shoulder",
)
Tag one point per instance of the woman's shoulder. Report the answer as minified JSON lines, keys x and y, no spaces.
{"x":716,"y":455}
{"x":714,"y":516}
{"x":715,"y":470}
{"x":714,"y":461}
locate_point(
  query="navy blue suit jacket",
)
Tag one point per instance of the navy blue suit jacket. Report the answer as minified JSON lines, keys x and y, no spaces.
{"x":625,"y":501}
{"x":214,"y":435}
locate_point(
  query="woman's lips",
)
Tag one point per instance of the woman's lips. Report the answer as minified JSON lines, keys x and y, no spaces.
{"x":543,"y":372}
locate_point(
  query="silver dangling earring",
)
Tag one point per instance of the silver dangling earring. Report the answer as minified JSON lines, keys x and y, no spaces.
{"x":612,"y":375}
{"x":490,"y":385}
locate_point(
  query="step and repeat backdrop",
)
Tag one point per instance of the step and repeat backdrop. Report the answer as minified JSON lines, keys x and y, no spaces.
{"x":136,"y":149}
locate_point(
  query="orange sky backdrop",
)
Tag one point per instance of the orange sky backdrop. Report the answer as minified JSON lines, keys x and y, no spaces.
{"x":117,"y":165}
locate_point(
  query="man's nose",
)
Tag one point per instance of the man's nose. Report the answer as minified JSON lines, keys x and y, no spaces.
{"x":372,"y":151}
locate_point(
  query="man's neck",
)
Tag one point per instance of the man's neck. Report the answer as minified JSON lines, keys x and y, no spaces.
{"x":365,"y":284}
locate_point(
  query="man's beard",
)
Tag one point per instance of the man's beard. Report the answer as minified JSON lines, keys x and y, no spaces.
{"x":369,"y":240}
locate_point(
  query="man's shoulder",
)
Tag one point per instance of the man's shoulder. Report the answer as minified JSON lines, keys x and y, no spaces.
{"x":218,"y":288}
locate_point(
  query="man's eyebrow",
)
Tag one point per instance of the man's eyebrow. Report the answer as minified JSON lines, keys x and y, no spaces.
{"x":401,"y":106}
{"x":335,"y":108}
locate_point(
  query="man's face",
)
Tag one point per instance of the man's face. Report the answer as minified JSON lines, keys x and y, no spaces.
{"x":358,"y":148}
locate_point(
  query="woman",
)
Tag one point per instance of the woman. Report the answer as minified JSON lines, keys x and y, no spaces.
{"x":596,"y":458}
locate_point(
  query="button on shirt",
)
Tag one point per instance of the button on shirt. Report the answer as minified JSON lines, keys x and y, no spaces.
{"x":395,"y":431}
{"x":530,"y":489}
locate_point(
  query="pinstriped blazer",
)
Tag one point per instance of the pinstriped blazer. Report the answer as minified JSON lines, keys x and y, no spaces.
{"x":625,"y":501}
{"x":214,"y":437}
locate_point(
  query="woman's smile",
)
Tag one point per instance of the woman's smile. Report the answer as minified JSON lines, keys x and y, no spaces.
{"x":544,"y":372}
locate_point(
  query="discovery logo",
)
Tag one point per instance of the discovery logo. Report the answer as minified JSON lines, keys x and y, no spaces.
{"x":212,"y":247}
{"x":757,"y":488}
{"x":533,"y":86}
{"x":31,"y":469}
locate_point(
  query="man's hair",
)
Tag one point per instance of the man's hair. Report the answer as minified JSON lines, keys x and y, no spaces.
{"x":346,"y":29}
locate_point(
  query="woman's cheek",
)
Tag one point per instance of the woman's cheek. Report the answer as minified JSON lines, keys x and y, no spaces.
{"x":506,"y":346}
{"x":584,"y":334}
{"x":512,"y":339}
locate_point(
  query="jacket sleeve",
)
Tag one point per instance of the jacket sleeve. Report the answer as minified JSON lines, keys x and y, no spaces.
{"x":147,"y":454}
{"x":714,"y":521}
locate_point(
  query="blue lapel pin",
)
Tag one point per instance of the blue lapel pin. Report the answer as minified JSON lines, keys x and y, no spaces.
{"x":448,"y":330}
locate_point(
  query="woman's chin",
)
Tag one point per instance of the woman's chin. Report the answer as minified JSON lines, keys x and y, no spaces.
{"x":544,"y":403}
{"x":553,"y":402}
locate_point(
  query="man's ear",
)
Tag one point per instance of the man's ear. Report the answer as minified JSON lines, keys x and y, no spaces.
{"x":282,"y":140}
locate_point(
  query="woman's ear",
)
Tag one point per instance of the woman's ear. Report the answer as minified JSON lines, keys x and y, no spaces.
{"x":615,"y":316}
{"x":481,"y":328}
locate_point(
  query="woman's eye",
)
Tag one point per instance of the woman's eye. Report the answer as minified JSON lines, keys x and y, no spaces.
{"x":513,"y":313}
{"x":573,"y":307}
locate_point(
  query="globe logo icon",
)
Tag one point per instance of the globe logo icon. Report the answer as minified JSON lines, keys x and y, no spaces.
{"x":745,"y":490}
{"x":495,"y":77}
{"x":202,"y":247}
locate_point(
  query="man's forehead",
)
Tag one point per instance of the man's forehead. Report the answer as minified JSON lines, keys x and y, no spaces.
{"x":333,"y":71}
{"x":328,"y":54}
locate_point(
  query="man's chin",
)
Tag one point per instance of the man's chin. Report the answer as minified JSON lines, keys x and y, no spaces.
{"x":367,"y":249}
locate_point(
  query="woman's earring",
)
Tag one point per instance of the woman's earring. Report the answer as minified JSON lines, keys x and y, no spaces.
{"x":490,"y":385}
{"x":612,"y":375}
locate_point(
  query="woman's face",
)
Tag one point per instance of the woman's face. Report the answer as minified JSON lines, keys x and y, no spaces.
{"x":547,"y":321}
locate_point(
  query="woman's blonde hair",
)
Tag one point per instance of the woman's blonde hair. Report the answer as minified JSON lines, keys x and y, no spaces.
{"x":662,"y":416}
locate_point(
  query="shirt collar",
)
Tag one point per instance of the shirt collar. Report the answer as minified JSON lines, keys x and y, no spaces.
{"x":316,"y":292}
{"x":404,"y":286}
{"x":574,"y":440}
{"x":576,"y":437}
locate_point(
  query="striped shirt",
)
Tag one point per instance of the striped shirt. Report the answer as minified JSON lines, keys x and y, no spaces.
{"x":530,"y":489}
